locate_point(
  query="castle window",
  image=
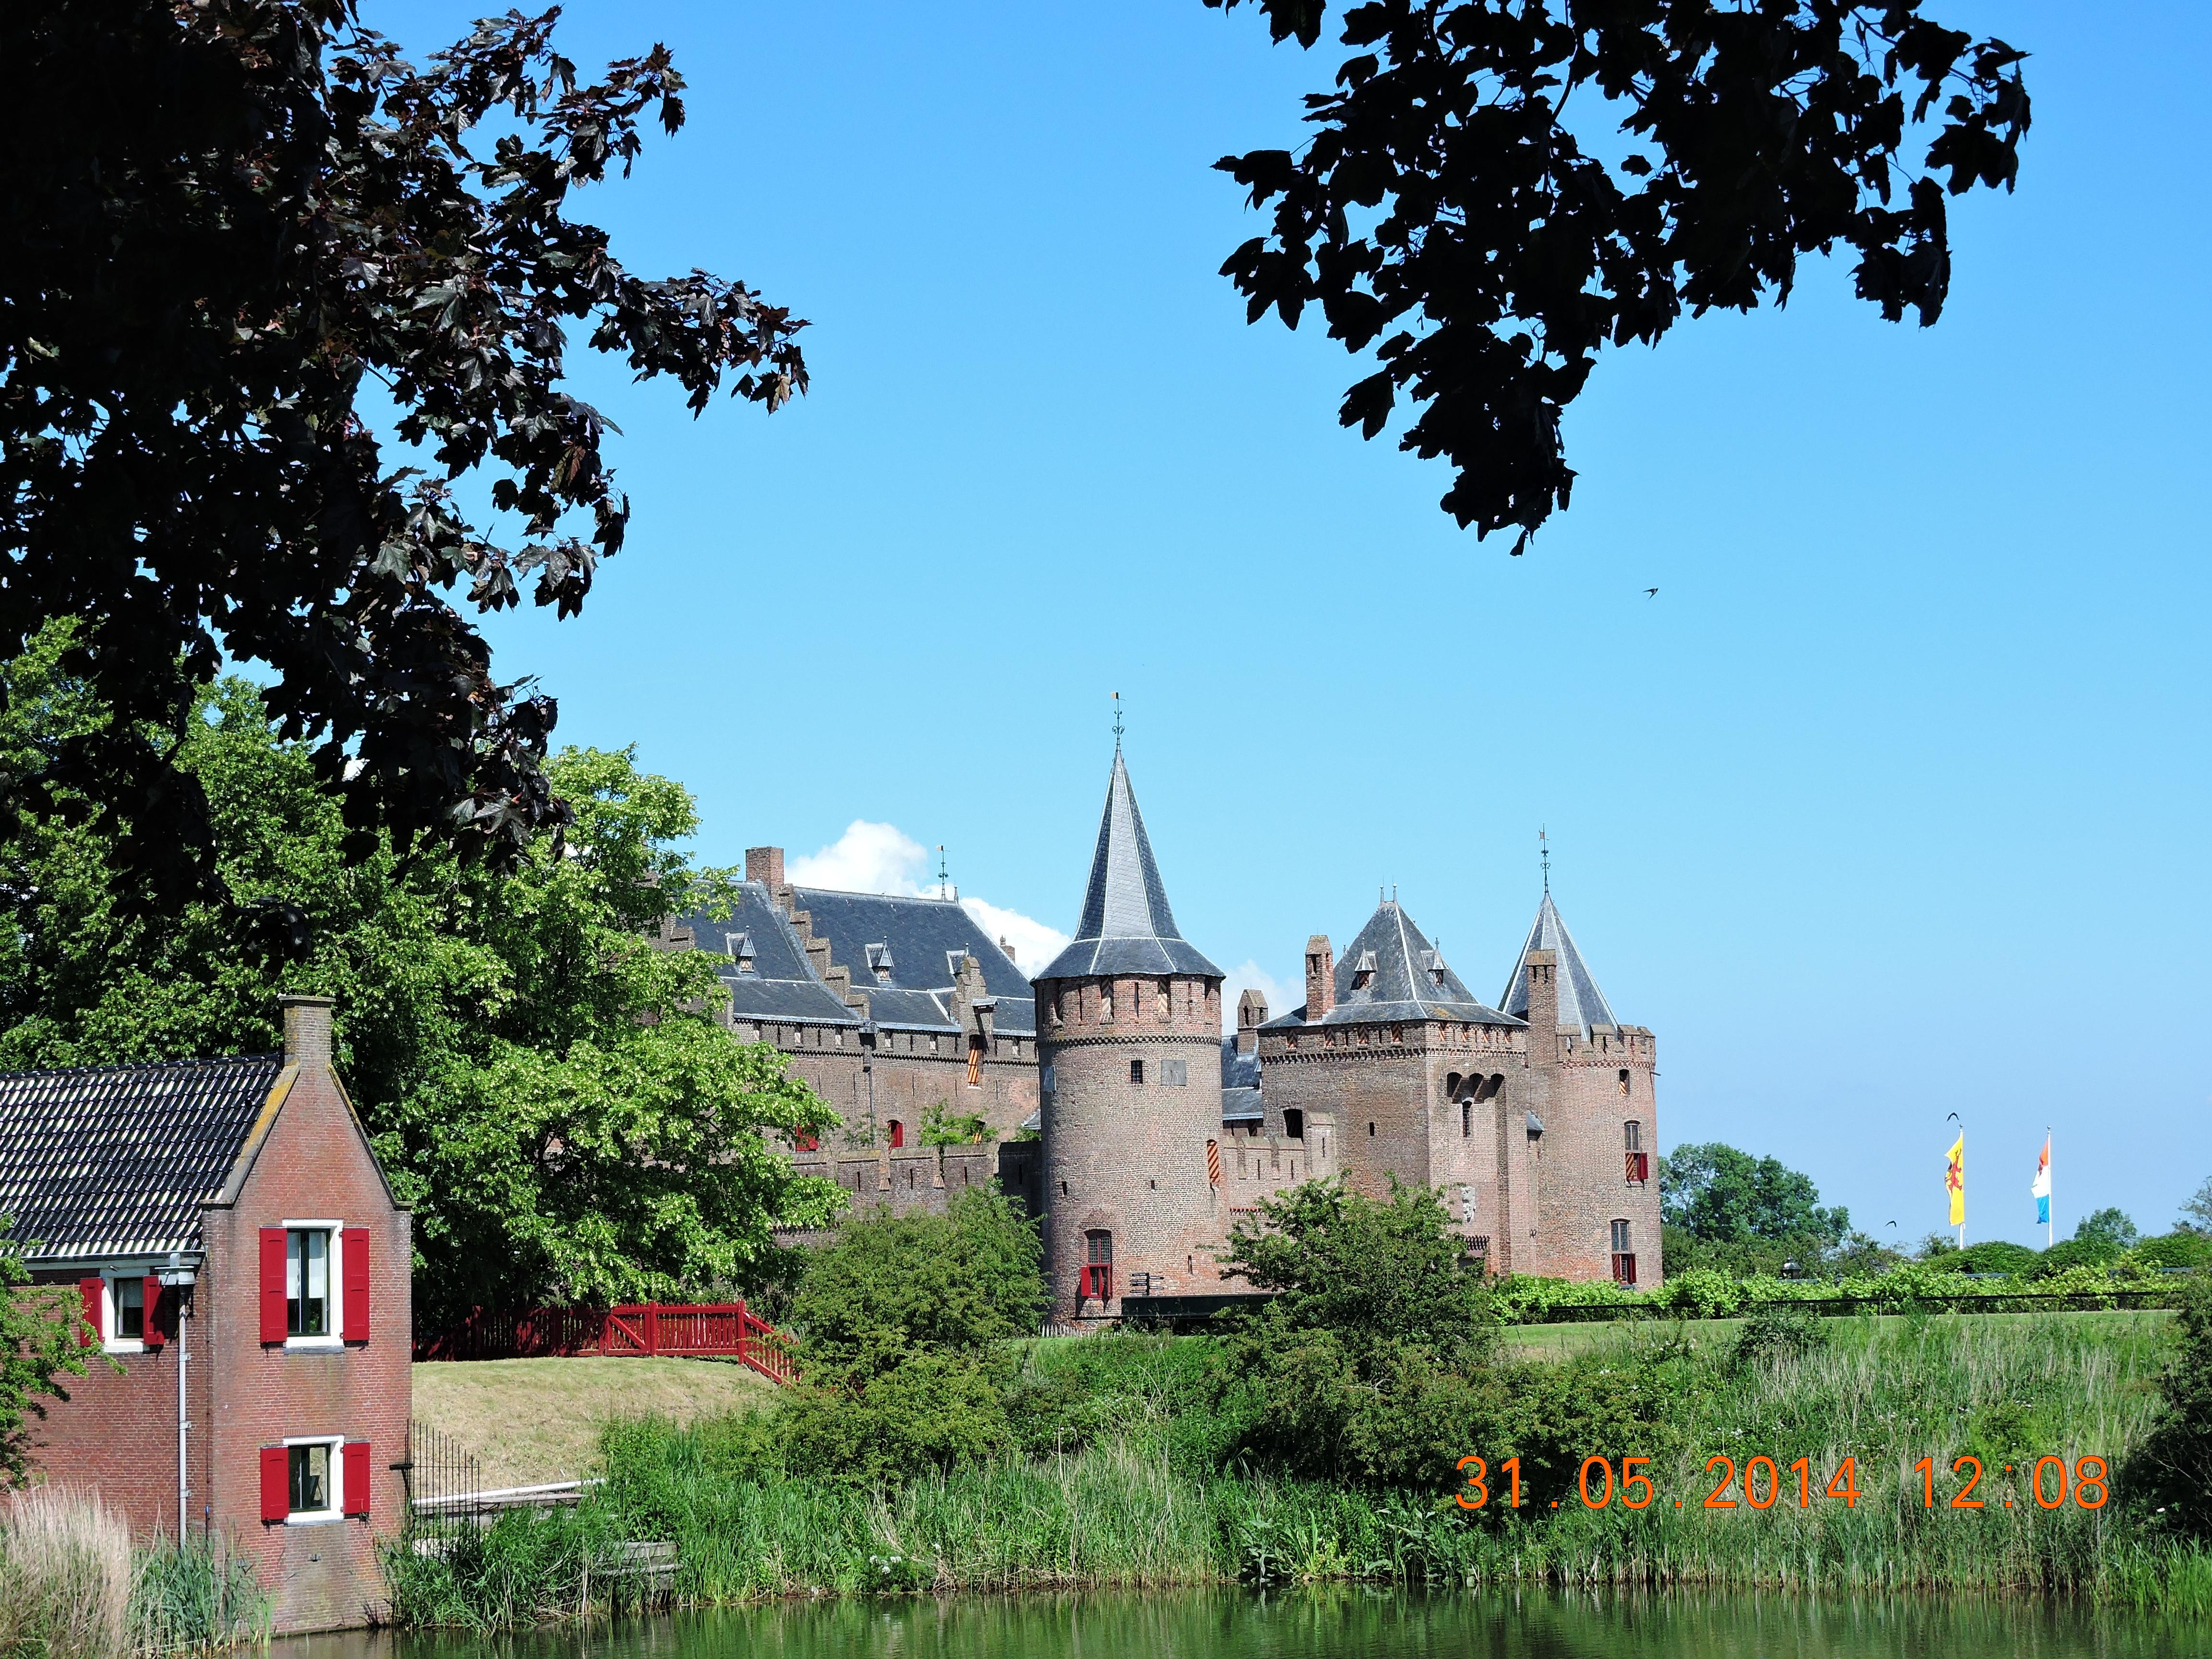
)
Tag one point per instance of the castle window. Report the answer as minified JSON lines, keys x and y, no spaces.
{"x":1624,"y":1080}
{"x":1294,"y":1124}
{"x":1370,"y":1130}
{"x":1105,"y":1002}
{"x":1167,"y":998}
{"x":1451,"y":1085}
{"x":1098,"y":1279}
{"x":1624,"y":1257}
{"x":1638,"y":1161}
{"x":1063,"y":1189}
{"x":974,"y":1060}
{"x":806,"y":1142}
{"x":1466,"y":1119}
{"x":899,"y":1135}
{"x":1136,"y":1071}
{"x":1174,"y":1073}
{"x":1632,"y":1135}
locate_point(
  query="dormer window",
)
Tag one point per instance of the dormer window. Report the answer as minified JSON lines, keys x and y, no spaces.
{"x":1363,"y":971}
{"x":880,"y":962}
{"x":740,"y":949}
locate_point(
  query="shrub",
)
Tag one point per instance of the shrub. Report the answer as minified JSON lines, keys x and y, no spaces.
{"x":1775,"y":1331}
{"x":2172,"y":1474}
{"x":2181,"y":1248}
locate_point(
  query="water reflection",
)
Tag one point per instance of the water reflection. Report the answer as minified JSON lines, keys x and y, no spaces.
{"x":1330,"y":1624}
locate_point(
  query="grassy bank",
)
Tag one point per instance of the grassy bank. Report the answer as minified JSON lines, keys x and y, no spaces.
{"x":1129,"y":1488}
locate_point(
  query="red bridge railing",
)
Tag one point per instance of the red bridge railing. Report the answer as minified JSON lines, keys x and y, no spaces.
{"x":710,"y":1330}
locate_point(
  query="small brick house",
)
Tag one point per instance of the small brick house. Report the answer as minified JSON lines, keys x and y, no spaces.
{"x":245,"y":1269}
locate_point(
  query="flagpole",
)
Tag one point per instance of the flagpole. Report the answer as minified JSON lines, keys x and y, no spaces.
{"x":2050,"y":1217}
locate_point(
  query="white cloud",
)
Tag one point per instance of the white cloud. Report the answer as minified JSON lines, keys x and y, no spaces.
{"x":1281,"y":997}
{"x":1035,"y":944}
{"x":868,"y":858}
{"x":881,"y":858}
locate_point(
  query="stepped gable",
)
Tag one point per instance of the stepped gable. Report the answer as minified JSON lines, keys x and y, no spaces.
{"x":1581,"y":1003}
{"x":1392,"y":971}
{"x":1127,"y":926}
{"x":900,"y":953}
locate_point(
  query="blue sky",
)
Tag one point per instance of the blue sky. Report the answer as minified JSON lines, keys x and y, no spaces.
{"x":1890,"y":804}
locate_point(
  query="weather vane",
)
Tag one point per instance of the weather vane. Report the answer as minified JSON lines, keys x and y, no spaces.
{"x":1544,"y":852}
{"x":942,"y":876}
{"x":1117,"y":722}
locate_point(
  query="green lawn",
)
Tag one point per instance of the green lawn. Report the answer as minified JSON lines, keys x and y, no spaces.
{"x":534,"y":1420}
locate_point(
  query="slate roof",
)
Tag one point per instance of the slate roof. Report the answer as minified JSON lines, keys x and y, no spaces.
{"x":1241,"y":1106}
{"x":117,"y":1161}
{"x":1407,"y":978}
{"x":1239,"y":1071}
{"x":1127,"y":926}
{"x":1581,"y":1003}
{"x":920,"y":937}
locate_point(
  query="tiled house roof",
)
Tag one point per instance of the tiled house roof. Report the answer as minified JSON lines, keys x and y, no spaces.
{"x":117,"y":1161}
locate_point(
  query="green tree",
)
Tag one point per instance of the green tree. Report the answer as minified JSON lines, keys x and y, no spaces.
{"x":1721,"y":1195}
{"x":2108,"y":1229}
{"x":228,"y":221}
{"x":1446,"y":212}
{"x":1372,"y":1360}
{"x":552,"y":1094}
{"x":40,"y":1345}
{"x":901,"y":1322}
{"x":2169,"y":1477}
{"x":2196,"y":1214}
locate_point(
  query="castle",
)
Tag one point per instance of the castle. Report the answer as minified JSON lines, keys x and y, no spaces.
{"x":1114,"y":1108}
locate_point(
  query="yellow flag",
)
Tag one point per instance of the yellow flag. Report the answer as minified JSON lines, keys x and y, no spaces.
{"x":1955,"y":1178}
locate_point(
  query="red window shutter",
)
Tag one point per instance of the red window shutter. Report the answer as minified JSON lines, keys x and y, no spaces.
{"x":156,"y":1336}
{"x":276,"y":1477}
{"x":354,"y":1244}
{"x":356,"y":1477}
{"x":272,"y":1284}
{"x":90,"y":1290}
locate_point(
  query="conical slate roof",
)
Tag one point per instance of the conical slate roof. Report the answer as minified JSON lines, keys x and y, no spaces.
{"x":1127,"y":926}
{"x":1581,"y":1003}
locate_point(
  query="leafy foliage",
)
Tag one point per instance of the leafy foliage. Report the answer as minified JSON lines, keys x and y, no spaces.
{"x":550,"y":1093}
{"x":897,"y":1321}
{"x":233,"y":225}
{"x":2108,"y":1229}
{"x":1715,"y":1193}
{"x":39,"y":1345}
{"x":1448,"y":214}
{"x":1371,"y":1364}
{"x":2172,"y":1474}
{"x":2196,"y":1214}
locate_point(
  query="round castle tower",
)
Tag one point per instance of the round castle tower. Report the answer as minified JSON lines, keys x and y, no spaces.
{"x":1129,"y":1043}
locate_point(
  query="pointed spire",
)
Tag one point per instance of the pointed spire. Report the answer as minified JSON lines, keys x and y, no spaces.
{"x":1581,"y":1003}
{"x":1127,"y":925}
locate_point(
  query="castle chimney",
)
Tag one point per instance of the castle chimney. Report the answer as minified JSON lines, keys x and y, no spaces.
{"x":306,"y":1031}
{"x":765,"y":865}
{"x":1251,"y":1015}
{"x":1543,"y":1014}
{"x":1320,"y":977}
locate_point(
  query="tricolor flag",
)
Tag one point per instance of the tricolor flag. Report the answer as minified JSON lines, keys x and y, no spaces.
{"x":1954,"y":1177}
{"x":2041,"y":1188}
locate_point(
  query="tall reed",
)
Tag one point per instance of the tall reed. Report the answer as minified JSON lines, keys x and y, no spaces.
{"x":65,"y":1574}
{"x":1134,"y":1505}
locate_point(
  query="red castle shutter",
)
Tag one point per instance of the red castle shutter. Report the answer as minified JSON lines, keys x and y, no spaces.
{"x":272,"y":1284}
{"x":156,"y":1336}
{"x":275,"y":1482}
{"x":89,"y":1289}
{"x":356,"y":1477}
{"x":354,"y":1244}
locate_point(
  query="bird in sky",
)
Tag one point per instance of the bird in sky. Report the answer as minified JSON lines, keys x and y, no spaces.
{"x":1650,"y":593}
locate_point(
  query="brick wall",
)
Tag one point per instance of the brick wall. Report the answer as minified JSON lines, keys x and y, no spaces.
{"x":1129,"y":1157}
{"x":312,"y":1165}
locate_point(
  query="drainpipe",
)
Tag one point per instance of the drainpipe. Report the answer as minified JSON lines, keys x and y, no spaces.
{"x":176,"y":1275}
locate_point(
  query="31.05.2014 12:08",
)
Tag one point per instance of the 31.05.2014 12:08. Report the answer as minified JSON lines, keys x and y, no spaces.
{"x":2089,"y":1486}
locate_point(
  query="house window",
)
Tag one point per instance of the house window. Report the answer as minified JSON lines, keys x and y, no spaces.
{"x":1294,"y":1124}
{"x":899,"y":1135}
{"x":307,"y":1285}
{"x":806,"y":1141}
{"x":1624,"y":1256}
{"x":130,"y":1309}
{"x":314,"y":1473}
{"x":1136,"y":1071}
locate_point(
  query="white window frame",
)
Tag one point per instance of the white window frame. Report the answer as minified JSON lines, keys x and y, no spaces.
{"x":337,"y":1511}
{"x":112,"y":1340}
{"x":335,"y":1323}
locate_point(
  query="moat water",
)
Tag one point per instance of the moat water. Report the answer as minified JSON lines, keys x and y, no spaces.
{"x":1335,"y":1623}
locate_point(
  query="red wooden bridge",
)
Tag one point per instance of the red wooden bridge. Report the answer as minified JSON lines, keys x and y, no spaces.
{"x":719,"y":1330}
